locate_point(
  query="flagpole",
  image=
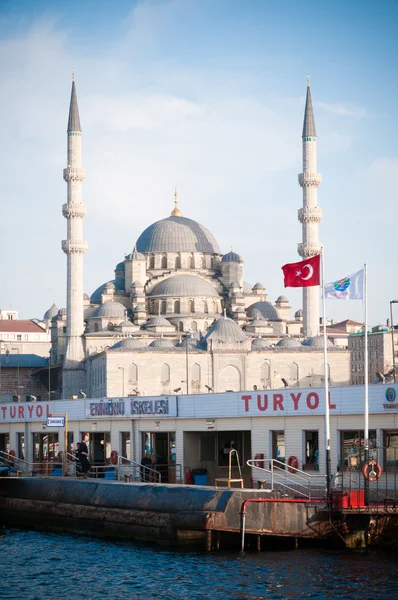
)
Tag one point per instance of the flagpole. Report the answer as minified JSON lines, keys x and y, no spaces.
{"x":366,"y":365}
{"x":326,"y":379}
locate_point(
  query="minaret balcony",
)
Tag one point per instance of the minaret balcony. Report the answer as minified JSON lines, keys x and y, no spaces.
{"x":309,"y":179}
{"x":74,"y":246}
{"x":71,"y":210}
{"x":307,"y":250}
{"x":310,"y":214}
{"x":74,"y":174}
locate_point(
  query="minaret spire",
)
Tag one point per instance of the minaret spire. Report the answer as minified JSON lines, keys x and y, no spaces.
{"x":310,"y":215}
{"x":176,"y":211}
{"x":74,"y":247}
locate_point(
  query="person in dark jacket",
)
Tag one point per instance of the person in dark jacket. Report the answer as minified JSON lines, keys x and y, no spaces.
{"x":146,"y":464}
{"x":83,"y":454}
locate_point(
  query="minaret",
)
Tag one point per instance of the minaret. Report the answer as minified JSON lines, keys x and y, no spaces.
{"x":74,"y":247}
{"x":310,"y":215}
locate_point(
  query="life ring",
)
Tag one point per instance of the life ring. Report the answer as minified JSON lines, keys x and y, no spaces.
{"x":114,"y":456}
{"x":371,"y":470}
{"x":259,"y":460}
{"x":292,"y":464}
{"x":12,"y":456}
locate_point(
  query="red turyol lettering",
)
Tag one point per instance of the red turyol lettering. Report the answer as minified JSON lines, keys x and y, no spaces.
{"x":39,"y":410}
{"x":48,"y":414}
{"x":315,"y":403}
{"x":331,"y":405}
{"x":20,"y":412}
{"x":13,"y":412}
{"x":3,"y":410}
{"x":262,"y":406}
{"x":278,"y":401}
{"x":246,"y":401}
{"x":30,"y":410}
{"x":296,"y":398}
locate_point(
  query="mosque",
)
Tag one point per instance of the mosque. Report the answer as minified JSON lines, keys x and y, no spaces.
{"x":177,"y":316}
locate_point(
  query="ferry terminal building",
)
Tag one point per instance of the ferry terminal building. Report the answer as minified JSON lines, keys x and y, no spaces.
{"x":198,"y":430}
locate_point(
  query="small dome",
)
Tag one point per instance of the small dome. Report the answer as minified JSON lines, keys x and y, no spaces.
{"x":136,"y":284}
{"x":108,"y":310}
{"x":260,"y":343}
{"x":177,"y":234}
{"x":231,"y":257}
{"x":239,"y":309}
{"x":299,"y":313}
{"x":109,"y":285}
{"x":288,"y":342}
{"x":119,"y":286}
{"x":225,"y":329}
{"x":258,"y":286}
{"x":50,"y":313}
{"x":266,"y":309}
{"x":184,"y":285}
{"x":247,"y":288}
{"x":193,"y":344}
{"x":120,"y":267}
{"x":126,"y":324}
{"x":86,"y":297}
{"x":62,"y":311}
{"x":316,"y":342}
{"x":161,"y":343}
{"x":158,"y":322}
{"x":140,"y":308}
{"x":128,"y":344}
{"x":234,"y":286}
{"x":135,"y":255}
{"x":282,"y":299}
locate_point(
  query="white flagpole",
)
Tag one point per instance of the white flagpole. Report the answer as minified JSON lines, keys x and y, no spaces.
{"x":326,"y":378}
{"x":366,"y":361}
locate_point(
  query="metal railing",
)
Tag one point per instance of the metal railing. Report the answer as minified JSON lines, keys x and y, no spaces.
{"x":133,"y":471}
{"x":289,"y":480}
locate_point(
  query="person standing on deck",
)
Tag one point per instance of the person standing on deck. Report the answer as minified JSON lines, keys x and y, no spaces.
{"x":84,"y":454}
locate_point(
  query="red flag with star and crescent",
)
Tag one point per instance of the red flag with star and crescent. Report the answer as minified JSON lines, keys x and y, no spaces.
{"x":304,"y":273}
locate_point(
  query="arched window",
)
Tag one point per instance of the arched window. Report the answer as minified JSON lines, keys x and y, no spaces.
{"x":191,"y":306}
{"x":192,"y":262}
{"x":177,"y":307}
{"x":96,"y":327}
{"x":212,"y":262}
{"x":178,"y":262}
{"x":165,"y":373}
{"x":294,"y":372}
{"x":152,"y":262}
{"x":205,"y":309}
{"x":164,"y":262}
{"x":230,"y":379}
{"x":163,"y":307}
{"x":194,"y":326}
{"x":195,"y":378}
{"x":265,"y":372}
{"x":203,"y":262}
{"x":152,"y":307}
{"x":133,"y":373}
{"x":180,"y":326}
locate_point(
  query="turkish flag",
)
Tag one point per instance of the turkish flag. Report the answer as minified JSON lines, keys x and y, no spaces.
{"x":302,"y":274}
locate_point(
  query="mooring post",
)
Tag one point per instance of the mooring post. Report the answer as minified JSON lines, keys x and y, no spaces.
{"x":208,"y":540}
{"x":218,"y":540}
{"x":259,"y":542}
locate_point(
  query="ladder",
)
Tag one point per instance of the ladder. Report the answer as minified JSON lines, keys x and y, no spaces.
{"x":228,"y":480}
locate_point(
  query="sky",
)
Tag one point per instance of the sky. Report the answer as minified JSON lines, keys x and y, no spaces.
{"x":208,"y":95}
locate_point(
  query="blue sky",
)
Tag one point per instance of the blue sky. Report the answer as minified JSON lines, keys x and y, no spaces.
{"x":208,"y":95}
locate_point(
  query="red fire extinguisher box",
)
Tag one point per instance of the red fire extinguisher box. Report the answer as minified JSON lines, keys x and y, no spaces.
{"x":356,"y":498}
{"x":348,"y":499}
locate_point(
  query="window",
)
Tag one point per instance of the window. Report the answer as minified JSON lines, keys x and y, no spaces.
{"x":191,"y":306}
{"x":21,"y":445}
{"x":96,"y":327}
{"x":177,"y":307}
{"x":163,"y":308}
{"x":311,"y":450}
{"x":133,"y":373}
{"x":265,"y":373}
{"x":192,"y":262}
{"x":165,"y":373}
{"x":125,"y":444}
{"x":180,"y":326}
{"x":203,"y":262}
{"x":390,"y":450}
{"x":195,"y":378}
{"x":152,"y":262}
{"x":178,"y":262}
{"x":278,"y":445}
{"x":352,"y":451}
{"x":194,"y":326}
{"x":294,"y":372}
{"x":164,"y":262}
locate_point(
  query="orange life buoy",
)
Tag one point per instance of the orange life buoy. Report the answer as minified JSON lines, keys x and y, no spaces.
{"x":114,"y":456}
{"x":12,"y":455}
{"x":371,"y":470}
{"x":292,"y":464}
{"x":259,"y":460}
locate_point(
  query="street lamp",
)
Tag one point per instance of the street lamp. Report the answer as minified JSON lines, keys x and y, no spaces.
{"x":392,"y":338}
{"x":122,"y":369}
{"x":18,"y":390}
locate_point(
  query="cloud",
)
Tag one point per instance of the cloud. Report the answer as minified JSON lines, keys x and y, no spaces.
{"x":343,"y":109}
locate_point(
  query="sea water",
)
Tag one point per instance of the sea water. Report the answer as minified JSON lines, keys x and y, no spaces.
{"x":47,"y":566}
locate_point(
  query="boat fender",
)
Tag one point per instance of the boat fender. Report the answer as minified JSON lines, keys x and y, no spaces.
{"x":292,"y":464}
{"x":259,"y":460}
{"x":114,"y":456}
{"x":371,"y":470}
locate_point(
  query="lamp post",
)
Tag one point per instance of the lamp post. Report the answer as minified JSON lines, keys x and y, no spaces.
{"x":18,"y":390}
{"x":1,"y":350}
{"x":122,"y":369}
{"x":392,"y":338}
{"x":49,"y":375}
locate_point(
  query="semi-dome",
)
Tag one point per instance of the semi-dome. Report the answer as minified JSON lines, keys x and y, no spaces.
{"x":177,"y":234}
{"x":317,"y":342}
{"x":161,"y":343}
{"x":259,"y":343}
{"x":266,"y":309}
{"x":110,"y":310}
{"x":128,"y":344}
{"x":231,"y":257}
{"x":288,"y":342}
{"x":158,"y":322}
{"x":119,"y":287}
{"x":51,"y":312}
{"x":225,"y":329}
{"x":120,"y":267}
{"x":184,"y":285}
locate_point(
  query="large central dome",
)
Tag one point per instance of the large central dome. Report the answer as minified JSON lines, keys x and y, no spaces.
{"x":177,"y":234}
